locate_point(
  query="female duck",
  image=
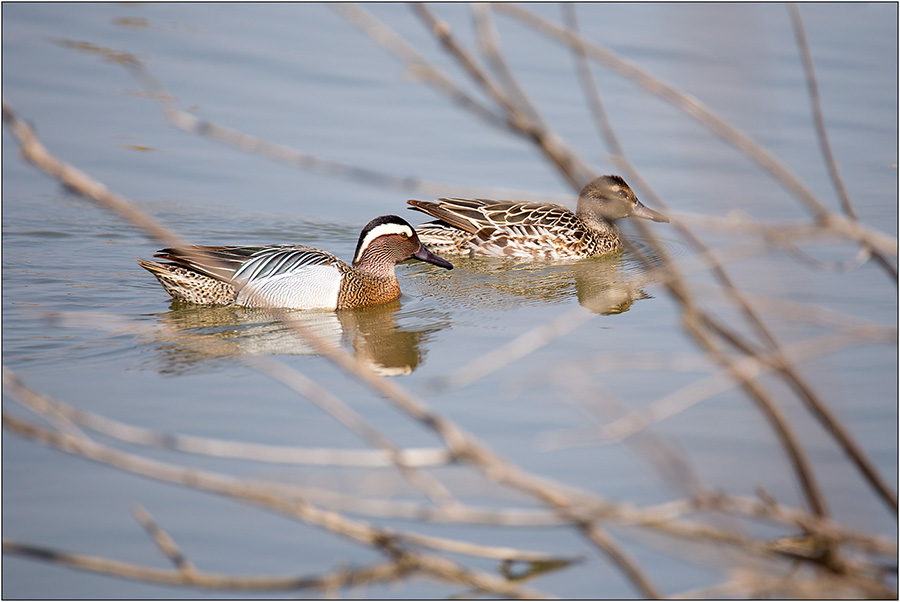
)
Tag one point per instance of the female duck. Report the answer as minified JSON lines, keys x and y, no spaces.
{"x":534,"y":230}
{"x":294,"y":276}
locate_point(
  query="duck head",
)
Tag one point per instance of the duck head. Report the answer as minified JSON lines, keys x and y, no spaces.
{"x":611,"y":198}
{"x":388,"y":240}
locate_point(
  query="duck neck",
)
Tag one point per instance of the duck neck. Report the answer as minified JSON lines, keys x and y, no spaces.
{"x":596,"y":222}
{"x":373,"y":265}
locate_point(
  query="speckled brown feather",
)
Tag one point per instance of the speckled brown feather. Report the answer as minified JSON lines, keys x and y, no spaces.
{"x":534,"y":230}
{"x":189,"y":285}
{"x":512,"y":229}
{"x":361,"y":290}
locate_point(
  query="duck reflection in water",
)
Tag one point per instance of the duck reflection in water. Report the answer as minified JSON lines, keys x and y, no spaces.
{"x":602,"y":284}
{"x":204,"y":333}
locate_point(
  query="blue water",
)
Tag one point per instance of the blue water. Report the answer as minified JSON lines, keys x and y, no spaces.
{"x":300,"y":75}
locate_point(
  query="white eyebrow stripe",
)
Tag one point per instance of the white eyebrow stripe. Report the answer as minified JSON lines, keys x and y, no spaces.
{"x":382,"y":230}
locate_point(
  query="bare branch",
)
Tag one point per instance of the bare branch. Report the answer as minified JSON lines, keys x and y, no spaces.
{"x":694,"y":108}
{"x":574,"y":169}
{"x":377,"y":573}
{"x":164,"y":542}
{"x":380,"y":34}
{"x":742,"y":354}
{"x":353,"y":421}
{"x":516,"y":349}
{"x":694,"y":315}
{"x":35,"y":153}
{"x":816,"y":106}
{"x":490,"y":47}
{"x":461,"y":445}
{"x":681,"y":399}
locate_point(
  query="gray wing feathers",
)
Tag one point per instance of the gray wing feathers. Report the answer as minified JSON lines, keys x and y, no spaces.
{"x":275,"y":261}
{"x":229,"y":263}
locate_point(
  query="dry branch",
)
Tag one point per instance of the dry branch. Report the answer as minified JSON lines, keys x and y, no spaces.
{"x":164,"y":542}
{"x":377,"y":573}
{"x":679,"y":400}
{"x":285,"y":500}
{"x":390,"y":542}
{"x":835,"y":555}
{"x":880,"y":242}
{"x":698,"y":322}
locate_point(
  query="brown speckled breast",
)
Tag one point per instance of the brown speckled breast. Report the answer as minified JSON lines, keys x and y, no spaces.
{"x":360,"y":290}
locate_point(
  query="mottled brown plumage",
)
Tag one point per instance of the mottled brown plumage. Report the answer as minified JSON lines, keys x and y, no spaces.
{"x":533,"y":230}
{"x":188,"y":285}
{"x":361,"y":289}
{"x":293,"y":276}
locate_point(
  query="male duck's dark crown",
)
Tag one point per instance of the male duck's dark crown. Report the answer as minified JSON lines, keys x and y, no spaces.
{"x":383,"y":223}
{"x":393,"y":225}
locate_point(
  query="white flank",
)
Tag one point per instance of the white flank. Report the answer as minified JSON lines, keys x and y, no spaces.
{"x":309,"y":287}
{"x":381,"y":230}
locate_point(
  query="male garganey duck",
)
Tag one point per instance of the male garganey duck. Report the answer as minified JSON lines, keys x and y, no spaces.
{"x":294,"y":276}
{"x":533,"y":230}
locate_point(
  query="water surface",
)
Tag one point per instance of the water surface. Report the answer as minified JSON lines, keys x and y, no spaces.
{"x":301,"y":76}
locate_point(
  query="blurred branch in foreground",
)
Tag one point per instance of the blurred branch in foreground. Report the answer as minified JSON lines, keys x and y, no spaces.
{"x":761,"y":546}
{"x":460,"y":444}
{"x":288,"y":500}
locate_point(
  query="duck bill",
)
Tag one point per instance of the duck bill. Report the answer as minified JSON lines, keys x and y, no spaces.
{"x":424,"y":254}
{"x":645,"y":212}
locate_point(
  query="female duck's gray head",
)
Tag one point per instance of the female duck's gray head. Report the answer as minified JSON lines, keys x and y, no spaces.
{"x":391,"y":236}
{"x":611,"y":198}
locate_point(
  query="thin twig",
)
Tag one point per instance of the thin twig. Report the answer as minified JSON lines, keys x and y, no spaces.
{"x":490,"y":46}
{"x":693,"y":315}
{"x":675,"y":283}
{"x":589,"y":89}
{"x":575,"y":170}
{"x":694,"y":108}
{"x":345,"y":415}
{"x":822,"y":132}
{"x":376,"y":573}
{"x":462,"y":445}
{"x":816,"y":107}
{"x":164,"y":542}
{"x":681,"y":399}
{"x":271,"y":498}
{"x":382,"y":35}
{"x":285,"y":499}
{"x":280,"y":153}
{"x":36,"y":153}
{"x":505,"y":355}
